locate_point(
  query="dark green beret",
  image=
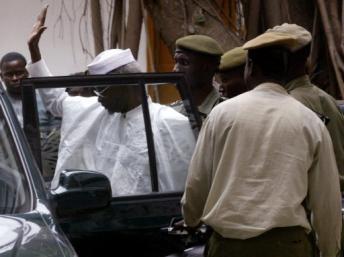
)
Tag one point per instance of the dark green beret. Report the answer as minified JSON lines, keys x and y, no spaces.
{"x":200,"y":43}
{"x":233,"y":58}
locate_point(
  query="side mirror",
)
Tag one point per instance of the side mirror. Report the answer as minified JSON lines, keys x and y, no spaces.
{"x":79,"y":191}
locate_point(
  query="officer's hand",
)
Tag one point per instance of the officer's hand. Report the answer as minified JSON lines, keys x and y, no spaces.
{"x":180,"y":225}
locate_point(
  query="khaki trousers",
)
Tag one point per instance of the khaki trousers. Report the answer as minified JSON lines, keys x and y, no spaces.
{"x":278,"y":242}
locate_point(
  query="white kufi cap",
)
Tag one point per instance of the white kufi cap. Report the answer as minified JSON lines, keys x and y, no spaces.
{"x":109,"y":60}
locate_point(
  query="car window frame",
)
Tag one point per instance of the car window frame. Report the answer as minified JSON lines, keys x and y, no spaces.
{"x":20,"y":146}
{"x":31,"y":120}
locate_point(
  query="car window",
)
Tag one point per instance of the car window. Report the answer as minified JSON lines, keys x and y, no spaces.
{"x":14,"y":190}
{"x":107,"y":134}
{"x":175,"y":141}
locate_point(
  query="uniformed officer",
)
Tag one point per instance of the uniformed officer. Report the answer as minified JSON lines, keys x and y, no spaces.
{"x":231,"y":73}
{"x":198,"y":56}
{"x":262,"y":161}
{"x":301,"y":88}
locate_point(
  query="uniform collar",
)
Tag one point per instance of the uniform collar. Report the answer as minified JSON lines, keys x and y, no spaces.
{"x":271,"y":87}
{"x":302,"y":81}
{"x":209,"y":102}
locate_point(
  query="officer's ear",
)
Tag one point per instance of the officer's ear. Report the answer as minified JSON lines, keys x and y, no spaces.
{"x":285,"y":62}
{"x":248,"y":70}
{"x":249,"y":65}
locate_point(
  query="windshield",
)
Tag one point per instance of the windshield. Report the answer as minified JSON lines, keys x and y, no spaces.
{"x":14,"y":191}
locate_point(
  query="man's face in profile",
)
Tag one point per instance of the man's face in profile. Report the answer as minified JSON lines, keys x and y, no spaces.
{"x":12,"y":73}
{"x":191,"y":64}
{"x":116,"y":98}
{"x":232,"y":82}
{"x":197,"y":67}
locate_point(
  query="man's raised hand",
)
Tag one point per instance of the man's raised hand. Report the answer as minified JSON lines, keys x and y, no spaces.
{"x":35,"y":35}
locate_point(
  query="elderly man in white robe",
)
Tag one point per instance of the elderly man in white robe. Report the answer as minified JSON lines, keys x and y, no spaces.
{"x":107,"y":133}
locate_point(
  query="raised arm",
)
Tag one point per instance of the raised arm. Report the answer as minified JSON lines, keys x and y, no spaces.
{"x":35,"y":36}
{"x":52,"y":98}
{"x":199,"y":178}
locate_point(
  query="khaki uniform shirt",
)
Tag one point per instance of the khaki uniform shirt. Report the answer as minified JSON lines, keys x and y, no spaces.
{"x":322,"y":103}
{"x":204,"y":108}
{"x":258,"y":157}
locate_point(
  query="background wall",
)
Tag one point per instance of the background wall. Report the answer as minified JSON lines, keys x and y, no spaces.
{"x":60,"y":44}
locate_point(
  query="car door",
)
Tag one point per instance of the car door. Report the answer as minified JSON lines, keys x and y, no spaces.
{"x":27,"y":226}
{"x":133,"y":219}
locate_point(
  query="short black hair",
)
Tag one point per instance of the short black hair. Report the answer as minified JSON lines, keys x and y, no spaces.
{"x":12,"y":56}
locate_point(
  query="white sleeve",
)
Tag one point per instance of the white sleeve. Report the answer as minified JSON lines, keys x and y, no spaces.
{"x":324,"y":199}
{"x":52,"y":98}
{"x":199,"y":177}
{"x":174,"y":143}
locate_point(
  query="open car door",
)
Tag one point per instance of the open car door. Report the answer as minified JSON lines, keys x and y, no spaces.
{"x":131,"y":224}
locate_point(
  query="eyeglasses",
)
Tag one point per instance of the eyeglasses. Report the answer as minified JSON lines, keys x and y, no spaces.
{"x":99,"y":91}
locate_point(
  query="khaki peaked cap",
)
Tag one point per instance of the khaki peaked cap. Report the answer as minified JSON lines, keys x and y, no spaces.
{"x":290,"y":36}
{"x":233,"y":58}
{"x":200,"y":43}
